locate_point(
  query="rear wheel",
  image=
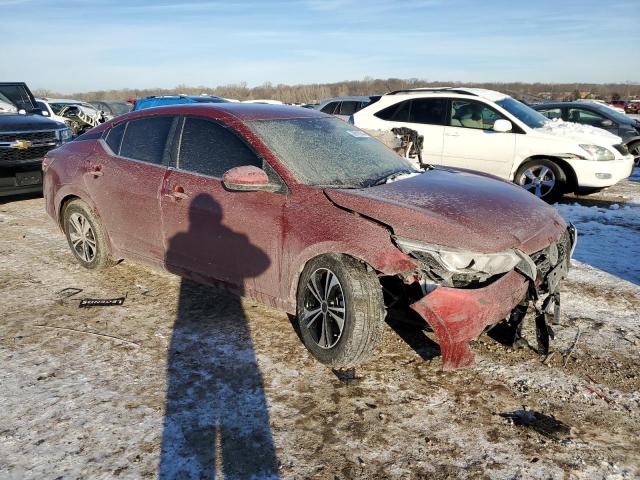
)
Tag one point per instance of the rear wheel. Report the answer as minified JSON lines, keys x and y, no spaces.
{"x":340,"y":310}
{"x":85,"y":236}
{"x":542,"y":177}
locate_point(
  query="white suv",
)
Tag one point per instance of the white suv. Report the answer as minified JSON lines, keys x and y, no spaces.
{"x":491,"y":132}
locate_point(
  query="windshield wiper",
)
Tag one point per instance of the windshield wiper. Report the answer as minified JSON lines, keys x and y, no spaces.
{"x":388,"y":177}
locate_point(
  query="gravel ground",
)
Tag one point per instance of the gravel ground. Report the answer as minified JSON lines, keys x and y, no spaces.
{"x":184,"y":381}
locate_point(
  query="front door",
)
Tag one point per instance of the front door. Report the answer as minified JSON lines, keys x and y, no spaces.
{"x":124,"y":178}
{"x":470,"y":141}
{"x":214,"y":234}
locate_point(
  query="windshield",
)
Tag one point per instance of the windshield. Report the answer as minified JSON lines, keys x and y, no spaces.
{"x":328,"y":152}
{"x":615,"y":115}
{"x":525,"y":114}
{"x":16,"y":95}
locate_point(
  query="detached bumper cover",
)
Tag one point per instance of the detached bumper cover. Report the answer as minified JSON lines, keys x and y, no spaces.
{"x":458,"y":316}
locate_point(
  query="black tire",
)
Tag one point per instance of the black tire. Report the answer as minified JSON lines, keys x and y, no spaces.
{"x":548,"y":171}
{"x":634,"y":149}
{"x":363,"y":307}
{"x":92,"y":251}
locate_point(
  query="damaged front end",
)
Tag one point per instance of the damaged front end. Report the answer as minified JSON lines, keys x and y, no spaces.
{"x":80,"y":118}
{"x":461,"y":294}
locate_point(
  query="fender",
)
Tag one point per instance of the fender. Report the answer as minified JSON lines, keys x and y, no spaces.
{"x":378,"y":251}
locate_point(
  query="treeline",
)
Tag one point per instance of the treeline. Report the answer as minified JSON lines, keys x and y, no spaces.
{"x":312,"y":93}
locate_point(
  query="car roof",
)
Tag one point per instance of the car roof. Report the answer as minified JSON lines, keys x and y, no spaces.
{"x":593,"y":105}
{"x":491,"y":95}
{"x":356,"y":98}
{"x":241,"y":111}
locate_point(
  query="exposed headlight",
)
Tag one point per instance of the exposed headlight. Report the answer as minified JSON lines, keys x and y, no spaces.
{"x":596,"y":152}
{"x":64,"y":135}
{"x":462,"y":261}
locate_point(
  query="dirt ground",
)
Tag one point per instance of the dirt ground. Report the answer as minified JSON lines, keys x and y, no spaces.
{"x":184,"y":381}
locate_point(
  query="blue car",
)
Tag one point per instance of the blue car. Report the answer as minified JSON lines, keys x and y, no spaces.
{"x":150,"y":102}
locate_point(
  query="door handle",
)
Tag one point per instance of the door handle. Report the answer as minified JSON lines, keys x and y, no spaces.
{"x":178,"y":193}
{"x":96,"y":171}
{"x":452,"y":134}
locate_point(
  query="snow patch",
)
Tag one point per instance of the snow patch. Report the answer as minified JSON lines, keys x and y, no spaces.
{"x":577,"y":131}
{"x":608,"y":238}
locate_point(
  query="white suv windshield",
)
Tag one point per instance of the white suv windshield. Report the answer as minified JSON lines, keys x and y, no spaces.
{"x":328,"y":152}
{"x":525,"y":114}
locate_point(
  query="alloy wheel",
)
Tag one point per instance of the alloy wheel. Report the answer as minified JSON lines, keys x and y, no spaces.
{"x":538,"y":179}
{"x":324,"y":308}
{"x":82,"y":236}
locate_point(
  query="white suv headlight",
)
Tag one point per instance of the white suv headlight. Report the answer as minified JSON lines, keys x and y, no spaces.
{"x":598,"y":153}
{"x":462,"y":261}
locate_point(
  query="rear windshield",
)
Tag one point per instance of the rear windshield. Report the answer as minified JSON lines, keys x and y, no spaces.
{"x":329,"y":152}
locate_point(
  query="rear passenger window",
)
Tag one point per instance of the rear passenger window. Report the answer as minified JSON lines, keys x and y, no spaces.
{"x":114,"y":138}
{"x":145,"y":139}
{"x":210,"y":149}
{"x":395,"y":113}
{"x":330,"y":107}
{"x":349,"y":108}
{"x":429,"y":111}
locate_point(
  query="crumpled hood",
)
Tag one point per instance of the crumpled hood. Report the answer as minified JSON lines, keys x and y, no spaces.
{"x":458,"y":208}
{"x":585,"y":134}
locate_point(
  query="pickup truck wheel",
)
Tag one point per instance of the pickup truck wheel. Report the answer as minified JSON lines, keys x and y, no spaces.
{"x":340,"y":310}
{"x":542,"y":177}
{"x":86,"y":236}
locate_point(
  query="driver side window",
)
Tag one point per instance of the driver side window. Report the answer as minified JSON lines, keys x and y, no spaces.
{"x":472,"y":114}
{"x":209,"y":148}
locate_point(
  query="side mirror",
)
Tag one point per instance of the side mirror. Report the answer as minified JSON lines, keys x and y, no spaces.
{"x":606,"y":123}
{"x":247,"y":179}
{"x":502,"y":126}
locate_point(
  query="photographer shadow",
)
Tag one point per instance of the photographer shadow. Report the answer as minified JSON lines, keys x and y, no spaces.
{"x":216,"y":420}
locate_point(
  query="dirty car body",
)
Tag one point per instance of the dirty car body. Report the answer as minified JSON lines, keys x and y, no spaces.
{"x":305,"y":215}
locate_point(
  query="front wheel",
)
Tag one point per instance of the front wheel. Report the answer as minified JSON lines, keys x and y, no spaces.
{"x":634,"y":149}
{"x":340,"y":310}
{"x":542,"y":177}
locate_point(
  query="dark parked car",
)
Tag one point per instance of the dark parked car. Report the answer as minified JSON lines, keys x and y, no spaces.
{"x":596,"y":115}
{"x":305,"y":213}
{"x":346,"y":106}
{"x":113,"y":108}
{"x":25,"y":137}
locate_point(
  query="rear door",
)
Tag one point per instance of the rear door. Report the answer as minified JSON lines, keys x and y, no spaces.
{"x":124,"y":178}
{"x":427,"y":116}
{"x":212,"y":233}
{"x":470,"y":141}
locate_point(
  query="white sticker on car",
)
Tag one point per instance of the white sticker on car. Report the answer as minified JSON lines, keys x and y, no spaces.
{"x":357,"y":134}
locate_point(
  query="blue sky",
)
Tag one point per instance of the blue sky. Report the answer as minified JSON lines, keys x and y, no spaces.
{"x":79,"y":45}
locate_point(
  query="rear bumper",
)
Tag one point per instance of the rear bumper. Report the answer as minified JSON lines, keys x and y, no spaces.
{"x":458,"y":316}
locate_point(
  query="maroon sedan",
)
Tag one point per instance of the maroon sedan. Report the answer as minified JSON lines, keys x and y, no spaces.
{"x":301,"y":211}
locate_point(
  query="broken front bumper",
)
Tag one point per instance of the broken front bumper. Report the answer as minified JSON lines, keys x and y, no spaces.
{"x":458,"y":316}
